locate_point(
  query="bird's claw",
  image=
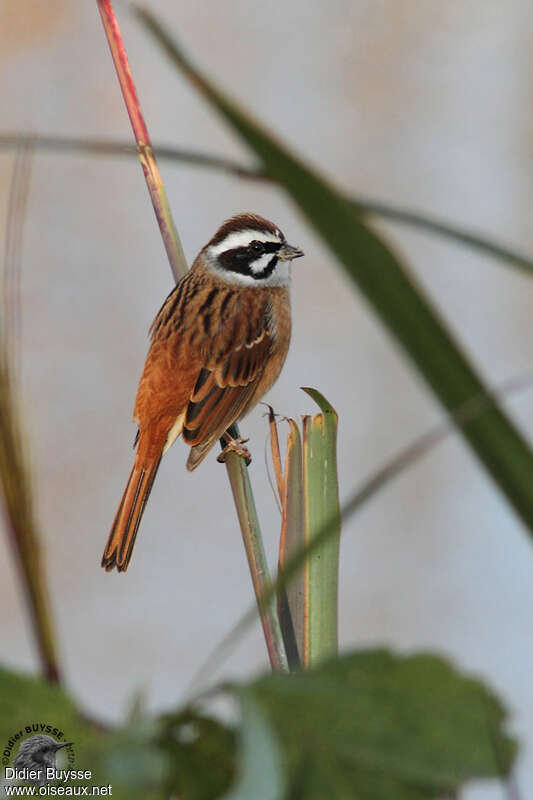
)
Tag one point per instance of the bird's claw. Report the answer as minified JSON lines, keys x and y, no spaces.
{"x":236,"y":446}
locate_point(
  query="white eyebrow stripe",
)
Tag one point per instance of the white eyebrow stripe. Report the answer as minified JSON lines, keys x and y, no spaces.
{"x":242,"y":239}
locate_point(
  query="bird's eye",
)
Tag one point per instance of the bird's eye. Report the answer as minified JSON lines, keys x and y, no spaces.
{"x":256,"y":247}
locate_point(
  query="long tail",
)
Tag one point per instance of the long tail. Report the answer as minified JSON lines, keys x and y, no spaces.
{"x":123,"y":532}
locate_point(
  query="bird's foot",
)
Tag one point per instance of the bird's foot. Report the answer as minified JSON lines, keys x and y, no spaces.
{"x":235,"y":446}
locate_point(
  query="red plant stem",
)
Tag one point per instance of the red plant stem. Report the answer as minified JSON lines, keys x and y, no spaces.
{"x":171,"y":240}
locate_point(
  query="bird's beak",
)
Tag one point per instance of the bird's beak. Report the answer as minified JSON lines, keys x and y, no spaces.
{"x":64,"y":744}
{"x":287,"y":252}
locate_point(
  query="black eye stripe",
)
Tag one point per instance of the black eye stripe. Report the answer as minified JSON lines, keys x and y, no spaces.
{"x":246,"y":252}
{"x":264,"y":247}
{"x":240,"y":262}
{"x":271,"y":247}
{"x":240,"y":259}
{"x":237,"y":253}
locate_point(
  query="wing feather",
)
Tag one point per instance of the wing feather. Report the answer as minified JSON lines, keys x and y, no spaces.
{"x":223,"y":392}
{"x":206,"y":369}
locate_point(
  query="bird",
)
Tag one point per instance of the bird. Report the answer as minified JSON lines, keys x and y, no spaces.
{"x":217,"y":345}
{"x":37,"y":754}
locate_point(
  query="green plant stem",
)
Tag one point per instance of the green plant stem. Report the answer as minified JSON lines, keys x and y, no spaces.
{"x":237,"y":471}
{"x":15,"y":474}
{"x":245,"y":504}
{"x":107,"y":147}
{"x":361,"y":205}
{"x":24,"y":535}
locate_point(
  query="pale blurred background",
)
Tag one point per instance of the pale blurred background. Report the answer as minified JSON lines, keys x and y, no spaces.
{"x":425,"y":105}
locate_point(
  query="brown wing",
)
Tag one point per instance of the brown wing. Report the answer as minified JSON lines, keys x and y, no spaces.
{"x":222,"y":393}
{"x":215,"y":349}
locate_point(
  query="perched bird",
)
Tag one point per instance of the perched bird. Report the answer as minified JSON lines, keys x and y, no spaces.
{"x":217,"y":345}
{"x":37,"y":754}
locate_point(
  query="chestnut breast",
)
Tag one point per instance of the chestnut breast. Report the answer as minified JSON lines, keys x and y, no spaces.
{"x":202,"y":321}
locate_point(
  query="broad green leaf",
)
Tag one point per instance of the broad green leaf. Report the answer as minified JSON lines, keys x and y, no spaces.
{"x":392,"y":292}
{"x":365,"y":726}
{"x":372,"y":725}
{"x":321,"y":501}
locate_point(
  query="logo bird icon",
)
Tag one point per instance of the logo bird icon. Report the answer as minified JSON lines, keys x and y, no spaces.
{"x":38,"y":753}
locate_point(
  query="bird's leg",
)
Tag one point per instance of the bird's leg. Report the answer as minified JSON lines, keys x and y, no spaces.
{"x":234,"y":446}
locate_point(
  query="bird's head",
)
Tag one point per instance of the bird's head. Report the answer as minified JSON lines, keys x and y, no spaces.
{"x":251,"y":251}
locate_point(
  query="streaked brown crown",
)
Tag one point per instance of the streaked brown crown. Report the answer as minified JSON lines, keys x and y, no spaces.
{"x":243,"y":222}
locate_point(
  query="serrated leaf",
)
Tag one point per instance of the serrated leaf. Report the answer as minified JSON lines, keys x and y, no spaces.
{"x":371,"y":725}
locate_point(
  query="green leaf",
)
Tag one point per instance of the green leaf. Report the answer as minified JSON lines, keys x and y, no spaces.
{"x":201,"y":754}
{"x":321,"y":509}
{"x":457,"y":234}
{"x":366,"y":726}
{"x":371,"y":725}
{"x":386,"y":284}
{"x":291,"y":597}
